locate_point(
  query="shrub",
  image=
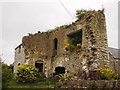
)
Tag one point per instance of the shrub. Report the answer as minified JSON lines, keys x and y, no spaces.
{"x":26,"y":73}
{"x":81,"y":13}
{"x":63,"y":77}
{"x":62,"y":27}
{"x":107,"y":74}
{"x":69,"y":47}
{"x":93,"y":86}
{"x":79,"y":45}
{"x":7,"y":74}
{"x":117,"y":76}
{"x":41,"y":76}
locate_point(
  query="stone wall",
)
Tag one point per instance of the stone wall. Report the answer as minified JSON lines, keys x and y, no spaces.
{"x":94,"y":45}
{"x":35,"y":46}
{"x":115,"y":62}
{"x":19,"y":57}
{"x":91,"y":84}
{"x":92,"y":54}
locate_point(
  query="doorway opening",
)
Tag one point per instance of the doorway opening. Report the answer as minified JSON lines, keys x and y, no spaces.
{"x":59,"y":70}
{"x":39,"y":65}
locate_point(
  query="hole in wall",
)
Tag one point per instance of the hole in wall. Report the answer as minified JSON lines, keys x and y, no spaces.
{"x":55,"y":47}
{"x":59,"y":70}
{"x":39,"y":65}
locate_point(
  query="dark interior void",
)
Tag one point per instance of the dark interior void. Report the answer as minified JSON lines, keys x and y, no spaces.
{"x":55,"y":43}
{"x":59,"y":70}
{"x":39,"y":66}
{"x":75,"y":38}
{"x":55,"y":47}
{"x":18,"y":64}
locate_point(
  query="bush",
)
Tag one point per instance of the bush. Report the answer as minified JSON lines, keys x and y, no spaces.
{"x":117,"y":76}
{"x":41,"y":76}
{"x":79,"y":45}
{"x":7,"y":74}
{"x":63,"y":77}
{"x":82,"y":13}
{"x":26,"y":73}
{"x":107,"y":74}
{"x":69,"y":47}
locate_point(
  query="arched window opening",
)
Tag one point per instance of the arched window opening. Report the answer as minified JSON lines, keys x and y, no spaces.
{"x":55,"y":47}
{"x":55,"y":43}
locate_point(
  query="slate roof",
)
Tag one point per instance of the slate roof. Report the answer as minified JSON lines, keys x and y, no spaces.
{"x":114,"y":51}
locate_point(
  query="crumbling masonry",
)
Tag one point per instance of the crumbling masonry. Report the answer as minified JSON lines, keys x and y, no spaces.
{"x":55,"y":51}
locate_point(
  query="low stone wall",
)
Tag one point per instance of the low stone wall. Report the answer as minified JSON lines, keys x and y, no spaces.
{"x":98,"y":84}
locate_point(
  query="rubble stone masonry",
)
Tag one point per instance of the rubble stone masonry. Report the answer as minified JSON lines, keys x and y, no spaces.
{"x":49,"y":47}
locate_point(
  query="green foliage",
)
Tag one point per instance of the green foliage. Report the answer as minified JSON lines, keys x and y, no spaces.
{"x":7,"y":74}
{"x":117,"y":76}
{"x":79,"y":45}
{"x":75,"y":41}
{"x":107,"y":74}
{"x":75,"y":38}
{"x":62,"y":27}
{"x":82,"y":13}
{"x":41,"y":84}
{"x":69,"y":47}
{"x":93,"y":86}
{"x":63,"y":77}
{"x":26,"y":74}
{"x":59,"y":27}
{"x":41,"y":76}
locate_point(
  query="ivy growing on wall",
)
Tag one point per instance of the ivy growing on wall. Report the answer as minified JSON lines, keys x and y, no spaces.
{"x":81,"y":13}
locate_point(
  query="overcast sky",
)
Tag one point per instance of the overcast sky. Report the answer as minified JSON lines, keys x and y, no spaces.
{"x":21,"y":18}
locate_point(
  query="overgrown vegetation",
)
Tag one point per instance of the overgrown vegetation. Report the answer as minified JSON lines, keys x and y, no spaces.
{"x":59,"y":27}
{"x":107,"y":74}
{"x":40,"y":84}
{"x":7,"y":74}
{"x":75,"y":41}
{"x":62,"y":26}
{"x":93,"y":86}
{"x":30,"y":75}
{"x":63,"y":77}
{"x":69,"y":47}
{"x":82,"y":13}
{"x":26,"y":74}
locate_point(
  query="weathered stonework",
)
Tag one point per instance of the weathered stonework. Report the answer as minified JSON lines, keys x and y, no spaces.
{"x":115,"y":61}
{"x":49,"y":47}
{"x":91,"y":84}
{"x":19,"y":57}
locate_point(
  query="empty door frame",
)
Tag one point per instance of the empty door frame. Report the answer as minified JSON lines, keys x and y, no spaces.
{"x":40,"y":65}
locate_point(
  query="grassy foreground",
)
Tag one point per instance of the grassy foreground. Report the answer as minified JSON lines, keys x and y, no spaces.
{"x":39,"y":84}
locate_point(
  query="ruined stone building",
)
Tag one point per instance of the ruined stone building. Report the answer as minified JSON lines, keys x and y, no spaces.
{"x":69,"y":48}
